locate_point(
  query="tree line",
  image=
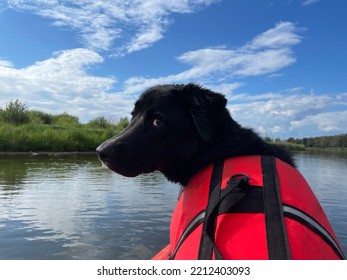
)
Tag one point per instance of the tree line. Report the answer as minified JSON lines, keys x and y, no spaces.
{"x":336,"y":141}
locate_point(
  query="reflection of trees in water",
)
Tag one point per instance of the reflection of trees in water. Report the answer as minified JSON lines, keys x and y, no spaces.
{"x":16,"y":168}
{"x":13,"y":170}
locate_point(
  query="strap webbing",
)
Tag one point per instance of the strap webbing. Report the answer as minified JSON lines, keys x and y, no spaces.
{"x":188,"y":230}
{"x":233,"y":193}
{"x":207,"y":237}
{"x":277,"y":240}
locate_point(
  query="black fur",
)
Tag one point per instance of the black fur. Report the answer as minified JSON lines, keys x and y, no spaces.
{"x":178,"y":130}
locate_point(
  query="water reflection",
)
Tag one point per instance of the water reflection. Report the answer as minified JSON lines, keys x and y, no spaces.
{"x":69,"y":207}
{"x":12,"y":173}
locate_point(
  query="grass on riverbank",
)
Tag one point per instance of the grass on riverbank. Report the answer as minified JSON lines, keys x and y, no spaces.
{"x":291,"y":146}
{"x":52,"y":138}
{"x":24,"y":130}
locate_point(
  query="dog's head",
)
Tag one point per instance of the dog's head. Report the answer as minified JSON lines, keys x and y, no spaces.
{"x":168,"y":126}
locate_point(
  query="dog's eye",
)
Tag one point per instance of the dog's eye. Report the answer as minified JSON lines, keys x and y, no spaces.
{"x":158,"y":120}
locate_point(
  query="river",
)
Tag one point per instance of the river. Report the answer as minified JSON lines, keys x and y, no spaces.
{"x":69,"y":207}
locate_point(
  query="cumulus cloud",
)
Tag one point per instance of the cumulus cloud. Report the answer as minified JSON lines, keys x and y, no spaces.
{"x":267,"y":53}
{"x":291,"y":112}
{"x":5,"y":63}
{"x":139,"y":23}
{"x":65,"y":72}
{"x":62,"y":83}
{"x":326,"y":122}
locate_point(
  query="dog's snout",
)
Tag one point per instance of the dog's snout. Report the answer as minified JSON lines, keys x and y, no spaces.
{"x":110,"y":150}
{"x":105,"y":151}
{"x":103,"y":156}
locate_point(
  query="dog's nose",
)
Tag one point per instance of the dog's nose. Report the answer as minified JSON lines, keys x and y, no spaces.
{"x":103,"y":154}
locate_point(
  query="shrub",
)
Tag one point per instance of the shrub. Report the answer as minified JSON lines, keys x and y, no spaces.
{"x":66,"y":120}
{"x":99,"y":122}
{"x":24,"y":130}
{"x":123,"y":123}
{"x":15,"y":112}
{"x":39,"y":117}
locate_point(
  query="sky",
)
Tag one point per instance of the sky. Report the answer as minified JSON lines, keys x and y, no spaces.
{"x":281,"y":64}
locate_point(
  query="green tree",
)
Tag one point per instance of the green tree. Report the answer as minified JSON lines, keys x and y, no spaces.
{"x":15,"y":112}
{"x":66,"y":120}
{"x":123,"y":123}
{"x":39,"y":117}
{"x":99,"y":122}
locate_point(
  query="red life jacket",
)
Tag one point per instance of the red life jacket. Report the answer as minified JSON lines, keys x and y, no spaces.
{"x":249,"y":207}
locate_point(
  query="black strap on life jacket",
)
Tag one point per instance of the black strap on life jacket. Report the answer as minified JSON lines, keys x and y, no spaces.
{"x":276,"y":234}
{"x":232,"y":194}
{"x":207,"y":243}
{"x":275,"y":211}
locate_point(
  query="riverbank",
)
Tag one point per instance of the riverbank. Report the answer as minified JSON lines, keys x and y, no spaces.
{"x":302,"y":148}
{"x":34,"y":138}
{"x":33,"y":132}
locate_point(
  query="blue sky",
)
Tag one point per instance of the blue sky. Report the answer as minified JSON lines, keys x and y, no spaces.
{"x":281,"y":64}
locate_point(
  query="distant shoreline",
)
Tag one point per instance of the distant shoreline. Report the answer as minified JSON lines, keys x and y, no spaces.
{"x":301,"y":148}
{"x":335,"y":150}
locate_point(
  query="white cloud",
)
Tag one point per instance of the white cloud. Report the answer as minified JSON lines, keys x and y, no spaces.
{"x":292,"y":112}
{"x":5,"y":63}
{"x":62,"y":83}
{"x":265,"y":54}
{"x":282,"y":35}
{"x":324,"y":123}
{"x":65,"y":72}
{"x":99,"y":23}
{"x":309,"y":2}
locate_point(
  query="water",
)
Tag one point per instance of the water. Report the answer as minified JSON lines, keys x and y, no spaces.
{"x":69,"y":207}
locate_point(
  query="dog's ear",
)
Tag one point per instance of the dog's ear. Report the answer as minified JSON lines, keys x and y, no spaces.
{"x":206,"y":107}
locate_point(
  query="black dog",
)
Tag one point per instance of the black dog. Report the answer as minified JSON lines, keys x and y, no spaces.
{"x":178,"y":130}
